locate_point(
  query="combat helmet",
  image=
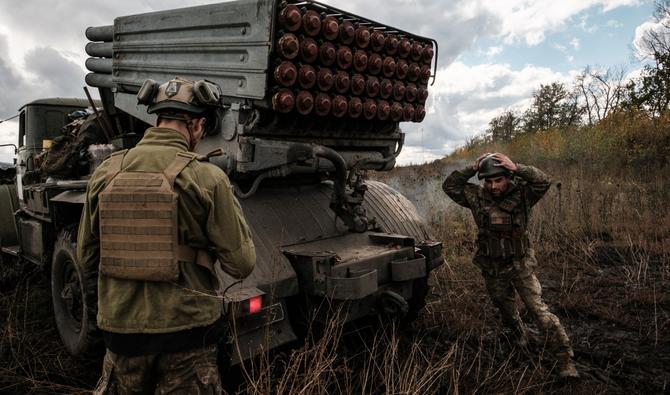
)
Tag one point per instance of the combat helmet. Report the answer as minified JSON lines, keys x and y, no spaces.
{"x":179,"y":96}
{"x":488,"y":168}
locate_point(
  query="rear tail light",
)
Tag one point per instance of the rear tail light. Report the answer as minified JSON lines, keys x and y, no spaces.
{"x":255,"y":304}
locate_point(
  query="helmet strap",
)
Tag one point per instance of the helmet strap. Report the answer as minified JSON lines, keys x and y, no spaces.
{"x":191,"y":137}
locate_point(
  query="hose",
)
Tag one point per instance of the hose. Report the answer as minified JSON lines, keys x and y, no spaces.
{"x":382,"y":161}
{"x":282,"y":171}
{"x":254,"y":186}
{"x":340,"y":170}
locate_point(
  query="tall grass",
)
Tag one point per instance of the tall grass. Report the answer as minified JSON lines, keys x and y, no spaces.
{"x":602,"y":238}
{"x":620,"y":140}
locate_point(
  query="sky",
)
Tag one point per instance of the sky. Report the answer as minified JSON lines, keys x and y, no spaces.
{"x":492,"y":54}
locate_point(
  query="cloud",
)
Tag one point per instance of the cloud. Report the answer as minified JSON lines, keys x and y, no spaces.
{"x":493,"y":51}
{"x":614,"y":24}
{"x":13,"y":86}
{"x":53,"y":73}
{"x":8,"y":135}
{"x":575,"y":43}
{"x":418,"y":154}
{"x":42,"y":52}
{"x":463,"y":101}
{"x":658,"y":28}
{"x":531,"y":21}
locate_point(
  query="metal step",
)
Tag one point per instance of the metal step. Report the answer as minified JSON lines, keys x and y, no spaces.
{"x":11,"y":250}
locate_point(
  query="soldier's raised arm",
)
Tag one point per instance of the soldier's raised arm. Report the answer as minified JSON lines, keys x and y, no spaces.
{"x":457,"y":187}
{"x":228,"y":231}
{"x":538,"y":182}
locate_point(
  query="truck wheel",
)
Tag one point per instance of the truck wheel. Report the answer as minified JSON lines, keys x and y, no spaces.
{"x":396,"y":214}
{"x":73,"y":292}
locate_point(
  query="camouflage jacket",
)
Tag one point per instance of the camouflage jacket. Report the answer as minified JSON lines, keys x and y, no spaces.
{"x":508,"y":238}
{"x":209,"y":217}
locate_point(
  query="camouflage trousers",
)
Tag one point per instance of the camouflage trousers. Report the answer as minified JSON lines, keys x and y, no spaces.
{"x":187,"y":372}
{"x":504,"y":281}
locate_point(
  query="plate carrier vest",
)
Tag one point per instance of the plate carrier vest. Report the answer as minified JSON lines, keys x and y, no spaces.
{"x":138,"y":211}
{"x":502,"y":227}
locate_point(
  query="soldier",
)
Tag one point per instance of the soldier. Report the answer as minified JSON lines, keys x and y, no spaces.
{"x":153,"y":220}
{"x":502,"y":210}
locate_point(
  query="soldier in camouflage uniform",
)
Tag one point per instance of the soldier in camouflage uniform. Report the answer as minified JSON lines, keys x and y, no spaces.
{"x":157,"y":304}
{"x":502,"y":210}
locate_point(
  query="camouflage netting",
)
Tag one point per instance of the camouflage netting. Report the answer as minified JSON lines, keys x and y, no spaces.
{"x":68,"y":156}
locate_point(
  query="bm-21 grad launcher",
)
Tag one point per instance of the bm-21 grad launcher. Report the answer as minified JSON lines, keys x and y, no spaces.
{"x":312,"y":96}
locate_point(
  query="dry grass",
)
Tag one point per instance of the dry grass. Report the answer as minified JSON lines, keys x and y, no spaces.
{"x":32,"y":358}
{"x":603,"y":246}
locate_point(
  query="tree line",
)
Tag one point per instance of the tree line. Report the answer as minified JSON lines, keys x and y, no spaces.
{"x":594,"y":94}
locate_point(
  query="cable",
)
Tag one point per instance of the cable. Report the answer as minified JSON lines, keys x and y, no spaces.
{"x":10,"y":118}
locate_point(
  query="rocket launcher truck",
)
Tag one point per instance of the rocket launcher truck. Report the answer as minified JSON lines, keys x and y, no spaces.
{"x":312,"y":98}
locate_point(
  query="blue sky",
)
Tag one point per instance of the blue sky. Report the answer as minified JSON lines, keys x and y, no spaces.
{"x":592,"y":37}
{"x":493,"y":54}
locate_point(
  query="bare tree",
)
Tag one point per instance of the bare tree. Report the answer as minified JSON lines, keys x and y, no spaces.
{"x":602,"y":91}
{"x":651,"y":91}
{"x":655,"y":42}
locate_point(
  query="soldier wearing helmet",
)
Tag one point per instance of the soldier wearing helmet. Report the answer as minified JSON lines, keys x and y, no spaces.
{"x":156,"y":223}
{"x":502,"y":209}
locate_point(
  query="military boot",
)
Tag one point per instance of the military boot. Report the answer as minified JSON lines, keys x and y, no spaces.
{"x":566,"y":367}
{"x":519,"y":336}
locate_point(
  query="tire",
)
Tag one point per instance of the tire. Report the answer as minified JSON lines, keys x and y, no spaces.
{"x":394,"y":213}
{"x":74,"y":297}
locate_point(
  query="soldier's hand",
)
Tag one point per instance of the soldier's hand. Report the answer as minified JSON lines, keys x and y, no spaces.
{"x":504,"y":161}
{"x":481,"y":157}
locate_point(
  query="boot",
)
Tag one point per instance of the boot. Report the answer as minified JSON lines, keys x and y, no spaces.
{"x":566,"y":367}
{"x":519,"y":335}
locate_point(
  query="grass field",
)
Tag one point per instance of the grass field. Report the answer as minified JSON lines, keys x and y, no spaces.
{"x":603,"y":247}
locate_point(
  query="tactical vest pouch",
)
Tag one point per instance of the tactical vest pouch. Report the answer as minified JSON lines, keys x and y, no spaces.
{"x":502,"y":246}
{"x":138,"y":223}
{"x":499,"y":220}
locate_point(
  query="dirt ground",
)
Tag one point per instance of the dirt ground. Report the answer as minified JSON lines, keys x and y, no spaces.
{"x":620,"y":336}
{"x":605,"y":271}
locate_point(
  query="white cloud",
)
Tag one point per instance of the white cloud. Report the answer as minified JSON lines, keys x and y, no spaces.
{"x":8,"y":135}
{"x":613,"y":23}
{"x":659,"y":28}
{"x":45,"y":56}
{"x":416,"y":155}
{"x":575,"y":43}
{"x":465,"y":98}
{"x":527,"y":21}
{"x":493,"y":51}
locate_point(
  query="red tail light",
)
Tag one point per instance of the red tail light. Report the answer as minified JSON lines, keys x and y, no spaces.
{"x":255,"y":304}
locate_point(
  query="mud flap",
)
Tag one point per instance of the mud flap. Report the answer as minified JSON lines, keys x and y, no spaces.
{"x":353,"y":287}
